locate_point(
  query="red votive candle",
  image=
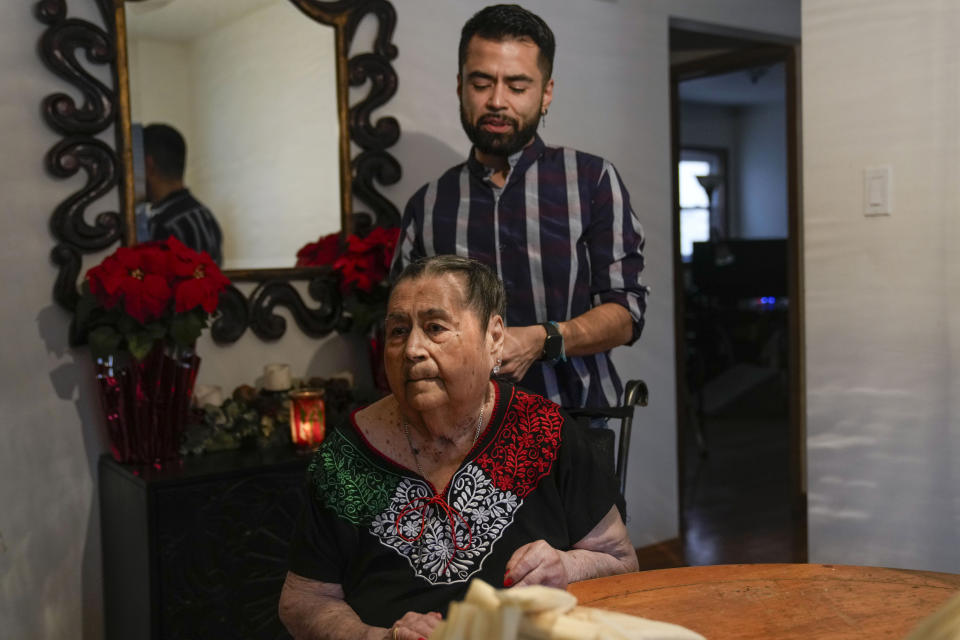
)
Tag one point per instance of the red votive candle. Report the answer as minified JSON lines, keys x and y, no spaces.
{"x":307,"y":418}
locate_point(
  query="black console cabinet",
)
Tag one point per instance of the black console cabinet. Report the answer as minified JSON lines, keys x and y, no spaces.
{"x":198,"y":550}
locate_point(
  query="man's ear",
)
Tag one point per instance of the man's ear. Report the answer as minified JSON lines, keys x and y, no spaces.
{"x":547,"y":95}
{"x":459,"y":86}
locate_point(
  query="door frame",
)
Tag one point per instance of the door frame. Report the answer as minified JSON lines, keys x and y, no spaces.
{"x":758,"y":49}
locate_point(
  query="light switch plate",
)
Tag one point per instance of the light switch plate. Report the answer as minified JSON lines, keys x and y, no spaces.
{"x":877,"y":191}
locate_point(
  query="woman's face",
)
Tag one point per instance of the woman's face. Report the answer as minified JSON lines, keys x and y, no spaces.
{"x":437,"y":356}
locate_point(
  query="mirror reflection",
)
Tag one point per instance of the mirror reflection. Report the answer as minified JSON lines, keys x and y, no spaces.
{"x":251,"y":86}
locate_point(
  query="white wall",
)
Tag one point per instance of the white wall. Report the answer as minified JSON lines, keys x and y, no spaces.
{"x":881,"y":86}
{"x":234,"y":92}
{"x":160,"y":89}
{"x":763,"y":171}
{"x":269,"y":76}
{"x":49,"y":533}
{"x":611,"y":99}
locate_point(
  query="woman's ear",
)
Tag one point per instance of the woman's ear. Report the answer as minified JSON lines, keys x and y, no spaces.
{"x":496,"y":334}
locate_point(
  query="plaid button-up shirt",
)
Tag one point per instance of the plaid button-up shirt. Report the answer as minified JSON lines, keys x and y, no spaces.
{"x":562,"y":236}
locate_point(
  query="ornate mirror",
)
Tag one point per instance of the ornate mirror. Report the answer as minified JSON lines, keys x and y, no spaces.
{"x":260,"y":87}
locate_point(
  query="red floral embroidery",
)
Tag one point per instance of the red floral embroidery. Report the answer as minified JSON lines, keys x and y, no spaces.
{"x":526,"y":445}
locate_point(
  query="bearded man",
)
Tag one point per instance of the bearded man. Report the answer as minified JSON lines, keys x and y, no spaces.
{"x":555,"y":223}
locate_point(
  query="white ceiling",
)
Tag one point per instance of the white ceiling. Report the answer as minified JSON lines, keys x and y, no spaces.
{"x":184,"y":20}
{"x":739,"y":88}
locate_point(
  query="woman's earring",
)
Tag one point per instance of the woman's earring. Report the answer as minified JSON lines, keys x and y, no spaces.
{"x":496,"y":367}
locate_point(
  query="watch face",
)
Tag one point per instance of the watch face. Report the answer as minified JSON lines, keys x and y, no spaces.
{"x":552,"y":347}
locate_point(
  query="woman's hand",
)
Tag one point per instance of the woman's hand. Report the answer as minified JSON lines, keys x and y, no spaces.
{"x":605,"y":551}
{"x":414,"y":626}
{"x":537,"y":563}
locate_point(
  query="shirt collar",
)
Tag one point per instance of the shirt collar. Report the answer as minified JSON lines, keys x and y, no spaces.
{"x":170,"y":197}
{"x":519,"y":161}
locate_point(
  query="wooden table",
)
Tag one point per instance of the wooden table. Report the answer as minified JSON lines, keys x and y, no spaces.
{"x":777,"y":601}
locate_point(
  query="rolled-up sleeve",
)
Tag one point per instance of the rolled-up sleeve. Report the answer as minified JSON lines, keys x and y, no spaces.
{"x":615,"y":244}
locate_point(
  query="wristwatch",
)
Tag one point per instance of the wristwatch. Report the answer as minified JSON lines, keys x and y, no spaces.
{"x":553,"y":344}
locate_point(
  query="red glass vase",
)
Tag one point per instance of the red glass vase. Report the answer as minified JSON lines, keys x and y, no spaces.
{"x":147,"y":403}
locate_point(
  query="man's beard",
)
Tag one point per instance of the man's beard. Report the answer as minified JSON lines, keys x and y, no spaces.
{"x":499,"y":144}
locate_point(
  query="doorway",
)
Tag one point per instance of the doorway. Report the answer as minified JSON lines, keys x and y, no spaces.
{"x":737,"y":292}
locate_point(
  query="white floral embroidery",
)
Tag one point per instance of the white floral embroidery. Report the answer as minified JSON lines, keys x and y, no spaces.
{"x":487,"y":510}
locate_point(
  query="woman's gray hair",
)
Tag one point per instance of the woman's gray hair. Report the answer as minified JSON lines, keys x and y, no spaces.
{"x":484,"y":291}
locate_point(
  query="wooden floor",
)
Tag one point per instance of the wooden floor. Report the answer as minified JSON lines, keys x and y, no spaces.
{"x":736,"y":498}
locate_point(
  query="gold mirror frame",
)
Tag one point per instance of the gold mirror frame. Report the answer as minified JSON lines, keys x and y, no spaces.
{"x":107,"y":167}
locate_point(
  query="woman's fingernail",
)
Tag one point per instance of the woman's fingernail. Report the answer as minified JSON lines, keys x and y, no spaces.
{"x":508,"y":582}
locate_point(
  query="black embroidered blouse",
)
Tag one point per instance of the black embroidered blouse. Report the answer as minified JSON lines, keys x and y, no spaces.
{"x":395,"y":544}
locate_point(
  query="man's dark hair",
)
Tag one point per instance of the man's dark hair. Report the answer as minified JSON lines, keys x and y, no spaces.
{"x":168,"y":149}
{"x":510,"y":21}
{"x":485,"y":294}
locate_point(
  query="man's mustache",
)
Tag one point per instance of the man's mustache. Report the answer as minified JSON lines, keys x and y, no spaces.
{"x":493,"y":119}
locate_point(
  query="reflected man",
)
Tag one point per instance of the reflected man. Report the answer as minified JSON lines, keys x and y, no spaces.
{"x":173,"y":209}
{"x":555,"y":223}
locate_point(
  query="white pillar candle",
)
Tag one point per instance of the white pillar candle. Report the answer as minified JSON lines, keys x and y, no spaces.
{"x":276,"y":377}
{"x":204,"y":394}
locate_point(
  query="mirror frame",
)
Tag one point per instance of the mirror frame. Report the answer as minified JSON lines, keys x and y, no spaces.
{"x":108,"y":166}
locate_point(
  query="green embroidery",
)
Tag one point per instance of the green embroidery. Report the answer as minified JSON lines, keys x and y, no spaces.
{"x":347,"y":481}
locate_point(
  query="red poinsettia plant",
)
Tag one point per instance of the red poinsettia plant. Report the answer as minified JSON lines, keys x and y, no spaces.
{"x":154,"y":291}
{"x":363,"y":265}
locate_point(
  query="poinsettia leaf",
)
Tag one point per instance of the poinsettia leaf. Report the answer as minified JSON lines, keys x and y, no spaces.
{"x":378,"y":294}
{"x":127,"y":325}
{"x":104,"y":341}
{"x":156,"y":330}
{"x":185,"y":328}
{"x":139,"y":344}
{"x":86,"y":305}
{"x":364,"y":318}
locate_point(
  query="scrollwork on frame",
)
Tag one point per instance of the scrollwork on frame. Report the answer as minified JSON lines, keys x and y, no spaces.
{"x":383,"y":85}
{"x":65,"y":288}
{"x":384,"y":168}
{"x":80,"y":149}
{"x":58,"y":49}
{"x":233,"y":316}
{"x":386,"y":23}
{"x":67,"y":223}
{"x":316,"y":322}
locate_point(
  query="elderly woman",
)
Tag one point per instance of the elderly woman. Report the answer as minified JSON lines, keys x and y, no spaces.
{"x":453,"y":476}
